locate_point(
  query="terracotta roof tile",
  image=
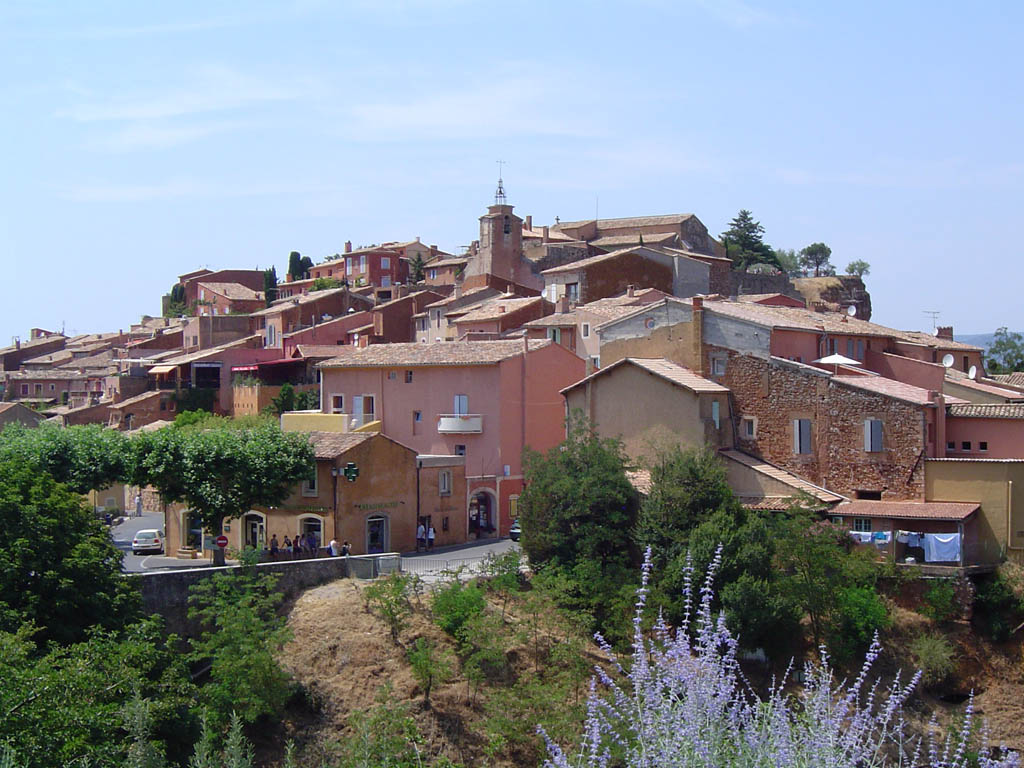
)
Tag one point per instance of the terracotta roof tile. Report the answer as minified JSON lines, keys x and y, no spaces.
{"x":1014,"y":379}
{"x":495,"y":309}
{"x":572,"y":266}
{"x":783,"y":476}
{"x":617,"y":241}
{"x":631,"y":221}
{"x":987,"y":410}
{"x":235,"y":291}
{"x":892,"y":388}
{"x":331,"y":445}
{"x":438,"y":353}
{"x":921,"y":510}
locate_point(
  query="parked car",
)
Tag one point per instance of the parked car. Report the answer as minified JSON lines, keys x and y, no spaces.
{"x":148,"y":540}
{"x":515,"y":531}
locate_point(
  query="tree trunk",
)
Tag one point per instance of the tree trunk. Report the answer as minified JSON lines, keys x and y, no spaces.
{"x":218,"y":552}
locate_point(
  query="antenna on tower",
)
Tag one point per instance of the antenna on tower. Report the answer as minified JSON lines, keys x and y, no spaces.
{"x":499,"y":193}
{"x":934,"y":314}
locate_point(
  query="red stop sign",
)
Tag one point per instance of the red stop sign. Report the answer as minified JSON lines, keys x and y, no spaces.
{"x":221,"y":541}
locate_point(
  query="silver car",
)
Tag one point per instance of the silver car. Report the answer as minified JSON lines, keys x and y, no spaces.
{"x":148,"y":540}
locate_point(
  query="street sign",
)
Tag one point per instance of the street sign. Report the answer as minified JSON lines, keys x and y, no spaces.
{"x":221,"y":541}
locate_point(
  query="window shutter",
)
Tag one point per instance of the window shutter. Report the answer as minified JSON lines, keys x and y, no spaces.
{"x":867,"y":434}
{"x":796,"y":435}
{"x":876,"y":435}
{"x":805,"y":435}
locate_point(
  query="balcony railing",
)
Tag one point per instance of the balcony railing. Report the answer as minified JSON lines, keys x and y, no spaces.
{"x":460,"y":423}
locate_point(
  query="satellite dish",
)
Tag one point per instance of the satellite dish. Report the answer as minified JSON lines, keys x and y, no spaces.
{"x":972,"y":374}
{"x":947,"y":360}
{"x":852,"y":310}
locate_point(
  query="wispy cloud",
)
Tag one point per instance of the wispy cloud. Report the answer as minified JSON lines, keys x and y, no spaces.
{"x":213,"y":89}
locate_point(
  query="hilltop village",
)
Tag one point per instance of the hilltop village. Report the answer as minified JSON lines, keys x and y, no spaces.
{"x":432,"y":372}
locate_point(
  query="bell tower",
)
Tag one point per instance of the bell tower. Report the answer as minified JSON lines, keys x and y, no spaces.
{"x":501,"y":239}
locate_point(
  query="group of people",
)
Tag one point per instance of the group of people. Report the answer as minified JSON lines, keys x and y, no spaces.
{"x":425,"y":535}
{"x":304,"y":544}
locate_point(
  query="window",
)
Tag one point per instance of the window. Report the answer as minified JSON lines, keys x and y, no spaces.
{"x":718,"y":366}
{"x":39,"y":389}
{"x":555,"y":334}
{"x":508,"y":226}
{"x":860,"y":349}
{"x":862,"y":524}
{"x":163,"y":405}
{"x":716,"y":414}
{"x":52,"y":387}
{"x":309,"y":485}
{"x":362,"y":263}
{"x":337,"y":403}
{"x":552,"y":292}
{"x":802,"y":436}
{"x":513,"y":507}
{"x":392,"y":375}
{"x":432,"y":274}
{"x":951,"y":445}
{"x":385,"y":281}
{"x":417,"y":416}
{"x":460,"y":450}
{"x":586,"y":330}
{"x":965,"y":445}
{"x":850,"y":352}
{"x":873,"y":436}
{"x":572,"y":290}
{"x":202,"y":294}
{"x":836,"y":520}
{"x":437,"y":318}
{"x":24,"y":389}
{"x":444,"y":482}
{"x":596,"y":360}
{"x":967,"y":363}
{"x":385,"y":262}
{"x":868,"y":495}
{"x":461,"y":405}
{"x":748,"y":427}
{"x":408,"y":377}
{"x":982,"y":445}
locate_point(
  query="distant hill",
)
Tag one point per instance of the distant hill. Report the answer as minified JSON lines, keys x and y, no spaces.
{"x":977,"y":339}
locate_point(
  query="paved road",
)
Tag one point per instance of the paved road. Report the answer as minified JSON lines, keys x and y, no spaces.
{"x":122,"y":535}
{"x":430,"y":565}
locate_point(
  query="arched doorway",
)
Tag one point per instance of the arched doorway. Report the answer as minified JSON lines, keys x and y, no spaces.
{"x":254,"y":530}
{"x":483,"y":514}
{"x":311,"y":525}
{"x":378,"y":534}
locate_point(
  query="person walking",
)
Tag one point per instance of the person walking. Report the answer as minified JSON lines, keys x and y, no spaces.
{"x":431,"y":534}
{"x":421,"y":536}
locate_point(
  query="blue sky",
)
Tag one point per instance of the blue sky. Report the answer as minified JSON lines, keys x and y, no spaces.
{"x":144,"y":140}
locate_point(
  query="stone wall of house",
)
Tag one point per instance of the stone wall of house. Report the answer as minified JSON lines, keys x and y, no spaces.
{"x":835,"y":292}
{"x":745,"y":283}
{"x":777,"y":392}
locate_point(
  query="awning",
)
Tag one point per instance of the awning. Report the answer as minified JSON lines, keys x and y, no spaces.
{"x":282,"y":361}
{"x":243,"y":368}
{"x":162,"y":368}
{"x":903,"y":510}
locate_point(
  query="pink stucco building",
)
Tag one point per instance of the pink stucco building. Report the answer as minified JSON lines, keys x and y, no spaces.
{"x":486,"y":400}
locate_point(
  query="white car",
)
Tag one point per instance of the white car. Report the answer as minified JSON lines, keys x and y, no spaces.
{"x":148,"y":540}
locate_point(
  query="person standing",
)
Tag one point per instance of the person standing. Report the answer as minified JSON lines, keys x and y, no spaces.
{"x":431,"y":534}
{"x":421,"y":536}
{"x":287,"y":545}
{"x":274,"y":546}
{"x":138,"y":505}
{"x":346,"y":549}
{"x":334,"y":549}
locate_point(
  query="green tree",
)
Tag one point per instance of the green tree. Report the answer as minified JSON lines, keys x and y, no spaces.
{"x":295,"y":265}
{"x":85,"y":458}
{"x":284,"y":401}
{"x":324,"y":284}
{"x":64,"y":706}
{"x":1006,"y":352}
{"x":430,"y":666}
{"x":789,"y":261}
{"x":242,"y":635}
{"x":416,"y":268}
{"x":744,"y":243}
{"x":58,"y":568}
{"x":577,"y":510}
{"x":390,"y":597}
{"x":221,"y":473}
{"x":858,"y":267}
{"x":270,"y":285}
{"x":816,"y":256}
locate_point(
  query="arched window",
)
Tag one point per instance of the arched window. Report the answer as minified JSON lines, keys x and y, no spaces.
{"x":508,"y":225}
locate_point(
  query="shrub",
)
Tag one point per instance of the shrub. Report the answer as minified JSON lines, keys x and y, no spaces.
{"x":996,"y":608}
{"x":430,"y":666}
{"x":390,"y":597}
{"x":940,"y":601}
{"x":859,"y":615}
{"x":685,"y":702}
{"x":456,"y":603}
{"x":933,"y":655}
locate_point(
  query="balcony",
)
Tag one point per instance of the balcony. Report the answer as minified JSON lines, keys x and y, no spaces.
{"x":460,"y":423}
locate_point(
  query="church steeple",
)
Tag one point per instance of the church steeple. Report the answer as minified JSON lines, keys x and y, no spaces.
{"x":499,"y":193}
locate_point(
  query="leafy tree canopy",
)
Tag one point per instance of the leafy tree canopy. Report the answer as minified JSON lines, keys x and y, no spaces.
{"x":58,"y":568}
{"x":816,"y":256}
{"x":416,"y":268}
{"x":85,"y":458}
{"x":221,"y":472}
{"x":1006,"y":353}
{"x":858,"y":267}
{"x":744,"y":242}
{"x":324,"y":284}
{"x":270,"y":285}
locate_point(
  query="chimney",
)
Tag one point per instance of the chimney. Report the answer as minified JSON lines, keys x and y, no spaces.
{"x":348,"y":246}
{"x":544,"y":233}
{"x":458,"y":291}
{"x":526,"y":347}
{"x":528,"y":224}
{"x":562,"y":305}
{"x":417,"y":238}
{"x":944,"y":332}
{"x":17,"y":342}
{"x":433,"y":251}
{"x":501,"y":309}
